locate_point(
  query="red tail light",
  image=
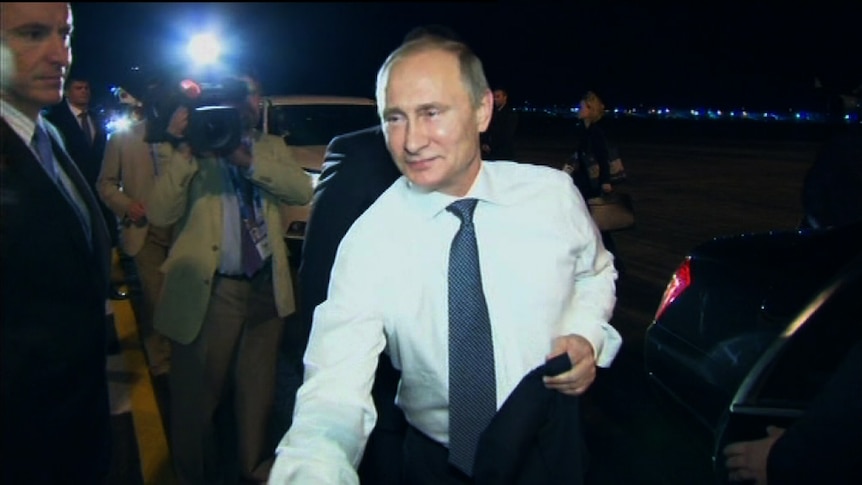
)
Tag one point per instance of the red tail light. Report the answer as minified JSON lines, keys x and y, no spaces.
{"x":680,"y":280}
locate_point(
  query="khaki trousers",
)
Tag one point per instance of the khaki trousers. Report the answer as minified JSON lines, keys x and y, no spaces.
{"x":222,"y":386}
{"x":148,"y":262}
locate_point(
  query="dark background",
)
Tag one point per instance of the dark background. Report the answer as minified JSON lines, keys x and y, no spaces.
{"x":722,"y":56}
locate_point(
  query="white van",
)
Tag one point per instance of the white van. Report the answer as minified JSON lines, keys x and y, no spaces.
{"x":308,"y":124}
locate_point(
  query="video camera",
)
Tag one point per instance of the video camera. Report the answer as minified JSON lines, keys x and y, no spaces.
{"x":213,"y":125}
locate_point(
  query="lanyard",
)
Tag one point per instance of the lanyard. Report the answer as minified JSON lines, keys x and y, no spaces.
{"x":251,"y":214}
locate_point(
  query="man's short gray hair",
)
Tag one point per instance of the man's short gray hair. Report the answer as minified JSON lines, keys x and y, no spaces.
{"x":472,"y":72}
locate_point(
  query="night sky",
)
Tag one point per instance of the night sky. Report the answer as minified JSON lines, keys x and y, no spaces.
{"x":681,"y":56}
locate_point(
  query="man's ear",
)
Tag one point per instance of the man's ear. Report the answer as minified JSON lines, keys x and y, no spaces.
{"x":484,"y":111}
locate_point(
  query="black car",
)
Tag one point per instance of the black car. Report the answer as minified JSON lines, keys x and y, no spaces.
{"x":734,"y":334}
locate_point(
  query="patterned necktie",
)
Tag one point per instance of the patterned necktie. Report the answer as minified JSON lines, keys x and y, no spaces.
{"x":472,"y":382}
{"x":42,"y":143}
{"x":85,"y":126}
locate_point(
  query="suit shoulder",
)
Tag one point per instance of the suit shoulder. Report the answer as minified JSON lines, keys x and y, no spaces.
{"x":365,"y":148}
{"x":370,"y":135}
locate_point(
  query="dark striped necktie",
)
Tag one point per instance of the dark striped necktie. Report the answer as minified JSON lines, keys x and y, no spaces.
{"x":85,"y":126}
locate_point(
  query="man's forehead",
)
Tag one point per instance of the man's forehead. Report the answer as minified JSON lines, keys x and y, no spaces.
{"x":424,"y":71}
{"x":19,"y":14}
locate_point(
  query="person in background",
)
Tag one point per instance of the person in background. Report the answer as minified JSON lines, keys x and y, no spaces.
{"x":126,"y":176}
{"x":357,"y":169}
{"x":515,"y":313}
{"x":498,"y":141}
{"x":84,"y":133}
{"x":226,"y":291}
{"x":831,"y":194}
{"x":54,"y":266}
{"x":589,"y":165}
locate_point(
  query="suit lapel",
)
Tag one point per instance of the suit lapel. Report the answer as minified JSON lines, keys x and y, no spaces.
{"x":101,"y":246}
{"x":26,"y":164}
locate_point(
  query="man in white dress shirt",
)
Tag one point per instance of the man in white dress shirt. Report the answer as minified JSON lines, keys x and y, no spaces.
{"x":548,"y":281}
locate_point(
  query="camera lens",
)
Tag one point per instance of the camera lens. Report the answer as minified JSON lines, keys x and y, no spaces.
{"x":215,"y":129}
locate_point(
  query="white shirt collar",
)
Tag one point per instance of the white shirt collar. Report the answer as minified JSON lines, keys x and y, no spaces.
{"x":22,"y":125}
{"x":75,"y":111}
{"x":484,"y":188}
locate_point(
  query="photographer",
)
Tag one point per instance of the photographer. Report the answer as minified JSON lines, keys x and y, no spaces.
{"x":227,"y":288}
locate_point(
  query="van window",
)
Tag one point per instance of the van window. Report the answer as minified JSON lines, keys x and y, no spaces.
{"x":318,"y":124}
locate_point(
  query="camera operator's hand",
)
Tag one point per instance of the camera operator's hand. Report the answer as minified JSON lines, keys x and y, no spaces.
{"x":241,"y":157}
{"x":179,"y":122}
{"x":177,"y":128}
{"x":136,"y":211}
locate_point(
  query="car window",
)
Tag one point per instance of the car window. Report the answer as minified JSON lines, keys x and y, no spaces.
{"x":304,"y":125}
{"x":815,"y":350}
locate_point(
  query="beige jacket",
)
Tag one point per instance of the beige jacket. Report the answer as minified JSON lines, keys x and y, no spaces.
{"x":126,"y":176}
{"x":189,"y":192}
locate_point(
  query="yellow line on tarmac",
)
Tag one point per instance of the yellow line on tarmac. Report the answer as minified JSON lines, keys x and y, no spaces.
{"x":155,"y":460}
{"x":153,"y":448}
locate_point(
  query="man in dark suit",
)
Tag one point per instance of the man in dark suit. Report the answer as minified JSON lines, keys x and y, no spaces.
{"x":498,"y":142}
{"x":54,"y":262}
{"x":85,"y":137}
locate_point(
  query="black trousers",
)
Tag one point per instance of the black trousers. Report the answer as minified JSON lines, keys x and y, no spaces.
{"x":426,"y":462}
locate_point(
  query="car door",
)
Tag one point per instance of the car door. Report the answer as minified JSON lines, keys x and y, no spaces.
{"x":783,"y":382}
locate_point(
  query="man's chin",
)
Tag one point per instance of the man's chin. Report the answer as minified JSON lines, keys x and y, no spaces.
{"x":422,"y":182}
{"x":48,"y":97}
{"x":38,"y":99}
